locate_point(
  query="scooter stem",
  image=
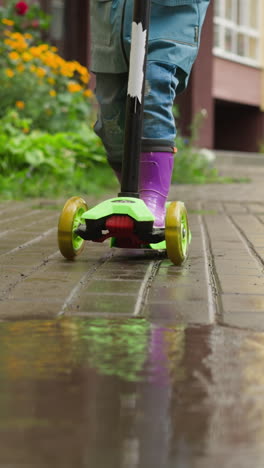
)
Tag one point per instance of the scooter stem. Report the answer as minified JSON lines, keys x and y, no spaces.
{"x":135,"y":99}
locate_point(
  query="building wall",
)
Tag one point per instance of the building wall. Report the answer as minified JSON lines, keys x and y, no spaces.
{"x":198,"y":96}
{"x":235,"y":82}
{"x":262,"y":53}
{"x":231,"y":92}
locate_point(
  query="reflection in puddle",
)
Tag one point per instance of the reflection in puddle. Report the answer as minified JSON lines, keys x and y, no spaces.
{"x":127,"y":393}
{"x":45,"y":349}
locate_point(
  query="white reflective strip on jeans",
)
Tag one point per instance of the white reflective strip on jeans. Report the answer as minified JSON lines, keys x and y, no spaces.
{"x":137,"y":55}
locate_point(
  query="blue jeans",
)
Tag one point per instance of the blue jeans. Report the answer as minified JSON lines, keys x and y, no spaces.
{"x":174,"y":38}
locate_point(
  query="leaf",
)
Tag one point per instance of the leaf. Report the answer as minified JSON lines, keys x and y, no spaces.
{"x":35,"y":157}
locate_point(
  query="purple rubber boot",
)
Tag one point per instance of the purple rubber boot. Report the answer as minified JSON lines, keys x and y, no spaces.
{"x":154,"y":183}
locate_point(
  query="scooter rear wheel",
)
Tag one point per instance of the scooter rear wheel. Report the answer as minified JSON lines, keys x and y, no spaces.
{"x":70,"y":244}
{"x":177,"y":232}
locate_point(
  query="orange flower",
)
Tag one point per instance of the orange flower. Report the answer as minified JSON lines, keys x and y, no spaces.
{"x":20,"y":68}
{"x":40,"y":72}
{"x":9,"y":42}
{"x":66,"y":70}
{"x":52,"y":93}
{"x":35,"y":51}
{"x":9,"y":72}
{"x":26,"y":57}
{"x":74,"y":87}
{"x":13,"y":56}
{"x":88,"y":93}
{"x":20,"y":105}
{"x":7,"y":22}
{"x":85,"y":77}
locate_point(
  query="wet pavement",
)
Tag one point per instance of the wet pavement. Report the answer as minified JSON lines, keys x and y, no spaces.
{"x":99,"y":392}
{"x":120,"y":359}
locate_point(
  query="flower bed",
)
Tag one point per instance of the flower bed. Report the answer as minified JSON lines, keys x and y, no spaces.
{"x":46,"y":110}
{"x":35,"y":79}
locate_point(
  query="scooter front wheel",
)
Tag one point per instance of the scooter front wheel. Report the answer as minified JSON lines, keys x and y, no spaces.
{"x":177,"y":232}
{"x":70,"y":244}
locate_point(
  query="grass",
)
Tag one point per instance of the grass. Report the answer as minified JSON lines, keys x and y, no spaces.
{"x":98,"y":181}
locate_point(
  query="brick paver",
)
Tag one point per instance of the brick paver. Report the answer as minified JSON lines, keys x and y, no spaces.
{"x":222,"y":281}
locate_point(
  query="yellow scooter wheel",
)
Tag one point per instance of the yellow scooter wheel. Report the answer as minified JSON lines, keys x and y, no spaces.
{"x":70,"y":244}
{"x":177,"y":234}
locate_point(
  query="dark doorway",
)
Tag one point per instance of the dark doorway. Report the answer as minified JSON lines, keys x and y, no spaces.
{"x":69,"y":28}
{"x":238,"y":127}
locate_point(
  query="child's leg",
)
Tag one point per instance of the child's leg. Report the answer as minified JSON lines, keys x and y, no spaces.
{"x":173,"y":46}
{"x":111,"y":92}
{"x":156,"y":162}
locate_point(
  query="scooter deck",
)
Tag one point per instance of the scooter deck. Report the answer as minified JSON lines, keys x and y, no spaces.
{"x":127,"y":220}
{"x":133,"y":207}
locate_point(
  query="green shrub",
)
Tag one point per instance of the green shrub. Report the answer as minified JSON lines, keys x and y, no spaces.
{"x":37,"y":163}
{"x":191,"y":164}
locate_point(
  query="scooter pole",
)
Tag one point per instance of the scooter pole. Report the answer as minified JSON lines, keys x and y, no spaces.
{"x":135,"y":99}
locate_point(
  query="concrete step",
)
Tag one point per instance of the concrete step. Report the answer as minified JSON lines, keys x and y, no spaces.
{"x":236,"y":158}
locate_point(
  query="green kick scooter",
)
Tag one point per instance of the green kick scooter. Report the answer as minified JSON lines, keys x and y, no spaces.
{"x":126,"y":219}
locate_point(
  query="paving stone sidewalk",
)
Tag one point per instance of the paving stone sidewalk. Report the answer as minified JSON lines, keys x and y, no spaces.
{"x":221,"y":282}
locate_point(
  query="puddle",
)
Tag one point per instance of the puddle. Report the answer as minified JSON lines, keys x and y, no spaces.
{"x":126,"y":393}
